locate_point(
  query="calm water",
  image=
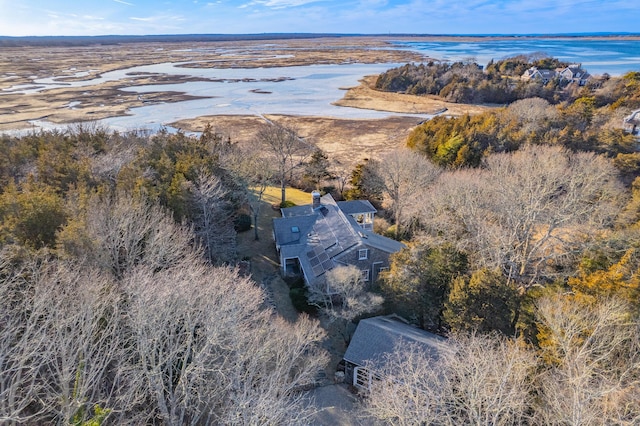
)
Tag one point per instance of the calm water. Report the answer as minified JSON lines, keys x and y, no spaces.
{"x":615,"y":57}
{"x":302,"y":90}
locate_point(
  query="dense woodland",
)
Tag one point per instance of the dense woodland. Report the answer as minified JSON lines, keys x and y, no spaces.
{"x":522,"y":227}
{"x":468,"y":82}
{"x":120,"y":302}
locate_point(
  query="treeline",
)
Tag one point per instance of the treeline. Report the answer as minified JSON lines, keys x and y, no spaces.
{"x":119,"y":298}
{"x":590,"y":123}
{"x":466,"y":82}
{"x":64,"y":41}
{"x":50,"y":179}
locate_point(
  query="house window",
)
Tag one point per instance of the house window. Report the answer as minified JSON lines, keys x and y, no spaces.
{"x":383,"y":268}
{"x":365,"y":275}
{"x":363,"y":254}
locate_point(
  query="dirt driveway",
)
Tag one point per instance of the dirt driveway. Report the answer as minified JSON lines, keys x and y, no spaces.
{"x":336,"y":406}
{"x":265,"y":269}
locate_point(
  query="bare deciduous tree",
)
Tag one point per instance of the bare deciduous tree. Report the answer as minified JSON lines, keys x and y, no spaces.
{"x":153,"y":335}
{"x":526,"y":209}
{"x":343,"y":296}
{"x":594,"y":351}
{"x":208,"y":352}
{"x":256,"y":175}
{"x":287,"y":149}
{"x":58,"y":362}
{"x":532,"y":113}
{"x":127,"y":232}
{"x":404,"y":177}
{"x":473,"y":380}
{"x":212,"y":221}
{"x":19,"y":362}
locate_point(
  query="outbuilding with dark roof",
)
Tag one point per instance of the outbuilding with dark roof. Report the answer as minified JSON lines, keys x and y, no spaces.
{"x":376,"y":338}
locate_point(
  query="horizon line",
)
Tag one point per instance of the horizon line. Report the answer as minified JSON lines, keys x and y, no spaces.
{"x":329,"y":34}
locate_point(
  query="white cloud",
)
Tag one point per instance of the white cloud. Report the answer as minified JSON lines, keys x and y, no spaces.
{"x":124,"y":2}
{"x":281,"y":4}
{"x":160,"y":18}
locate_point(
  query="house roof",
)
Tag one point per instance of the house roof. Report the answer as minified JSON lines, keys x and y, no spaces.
{"x":633,"y":118}
{"x":356,"y":207}
{"x":324,"y":233}
{"x":534,"y":72}
{"x":318,"y":237}
{"x":547,"y":74}
{"x":529,"y":72}
{"x":285,"y":231}
{"x":383,"y":243}
{"x":574,"y":72}
{"x":377,"y":337}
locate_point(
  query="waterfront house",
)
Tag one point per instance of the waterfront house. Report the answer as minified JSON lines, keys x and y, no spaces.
{"x":575,"y":74}
{"x":542,"y":75}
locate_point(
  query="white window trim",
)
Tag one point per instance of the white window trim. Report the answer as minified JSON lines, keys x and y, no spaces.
{"x":365,"y":275}
{"x":363,"y":254}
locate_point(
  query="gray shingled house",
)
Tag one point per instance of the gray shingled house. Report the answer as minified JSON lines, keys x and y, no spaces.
{"x":377,"y":337}
{"x":317,"y":237}
{"x":534,"y":73}
{"x":575,"y":73}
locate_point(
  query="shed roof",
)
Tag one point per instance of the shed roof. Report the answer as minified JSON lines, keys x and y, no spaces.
{"x":378,"y":336}
{"x":633,"y":118}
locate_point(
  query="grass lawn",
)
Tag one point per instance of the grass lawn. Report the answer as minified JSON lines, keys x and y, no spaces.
{"x":272,"y":196}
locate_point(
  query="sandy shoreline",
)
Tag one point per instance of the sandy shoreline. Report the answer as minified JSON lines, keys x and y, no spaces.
{"x":347,"y":141}
{"x":364,"y":96}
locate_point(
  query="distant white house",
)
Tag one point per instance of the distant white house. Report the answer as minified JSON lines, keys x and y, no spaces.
{"x":631,"y":122}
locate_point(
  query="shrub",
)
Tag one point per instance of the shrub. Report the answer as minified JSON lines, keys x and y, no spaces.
{"x":242,"y":222}
{"x":286,"y":204}
{"x":299,"y":295}
{"x":294,"y":281}
{"x":300,"y":301}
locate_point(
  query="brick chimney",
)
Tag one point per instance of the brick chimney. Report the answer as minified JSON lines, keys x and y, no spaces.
{"x":315,"y":200}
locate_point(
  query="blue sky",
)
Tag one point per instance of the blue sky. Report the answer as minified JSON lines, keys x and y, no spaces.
{"x":129,"y":17}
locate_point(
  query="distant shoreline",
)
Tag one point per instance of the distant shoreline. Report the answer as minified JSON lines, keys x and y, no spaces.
{"x":20,"y":41}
